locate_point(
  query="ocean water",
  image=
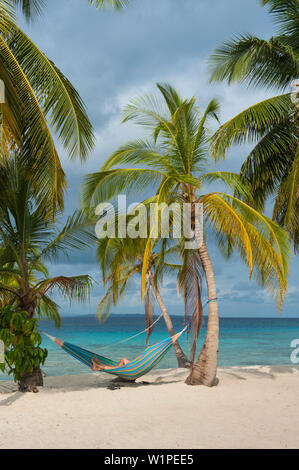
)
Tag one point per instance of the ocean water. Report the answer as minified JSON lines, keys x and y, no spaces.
{"x":243,"y":341}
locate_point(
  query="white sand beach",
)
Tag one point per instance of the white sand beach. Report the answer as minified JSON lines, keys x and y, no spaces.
{"x":254,"y":407}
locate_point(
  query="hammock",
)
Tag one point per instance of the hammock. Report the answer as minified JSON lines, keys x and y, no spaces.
{"x":141,"y":365}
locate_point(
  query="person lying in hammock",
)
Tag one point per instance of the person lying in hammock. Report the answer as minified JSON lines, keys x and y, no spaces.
{"x":123,"y":362}
{"x":97,"y":366}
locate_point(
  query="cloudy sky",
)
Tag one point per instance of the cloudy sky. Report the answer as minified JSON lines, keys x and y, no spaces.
{"x":112,"y":57}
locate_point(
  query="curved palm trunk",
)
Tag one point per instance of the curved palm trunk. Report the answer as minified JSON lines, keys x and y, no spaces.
{"x":205,"y":370}
{"x":181,"y":357}
{"x":28,"y":380}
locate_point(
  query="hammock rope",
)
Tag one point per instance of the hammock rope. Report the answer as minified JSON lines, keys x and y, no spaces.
{"x":139,"y":366}
{"x":131,"y":337}
{"x":138,"y":334}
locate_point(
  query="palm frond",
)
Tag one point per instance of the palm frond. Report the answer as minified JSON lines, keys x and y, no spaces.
{"x":9,"y":289}
{"x":104,"y":185}
{"x":252,"y":124}
{"x":139,"y":152}
{"x":74,"y":287}
{"x":46,"y":164}
{"x":268,"y":229}
{"x":286,"y":16}
{"x":30,"y":8}
{"x":57,"y":97}
{"x":171,"y":97}
{"x":269,"y":161}
{"x":77,"y":233}
{"x":147,"y":111}
{"x":232,"y":180}
{"x":49,"y":310}
{"x":116,"y":284}
{"x":269,"y":243}
{"x":224,"y":218}
{"x":105,"y":304}
{"x":115,"y":4}
{"x":286,"y":208}
{"x":7,"y":15}
{"x":255,"y":61}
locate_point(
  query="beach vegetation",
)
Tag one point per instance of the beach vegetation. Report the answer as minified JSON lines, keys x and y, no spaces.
{"x":39,"y":101}
{"x":23,"y":352}
{"x":28,"y":242}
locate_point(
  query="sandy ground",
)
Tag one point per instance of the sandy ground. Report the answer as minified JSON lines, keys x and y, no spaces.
{"x":254,"y":407}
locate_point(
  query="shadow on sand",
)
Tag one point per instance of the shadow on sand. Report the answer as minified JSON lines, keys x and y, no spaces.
{"x":159,"y":377}
{"x":101,"y":380}
{"x":11,"y":399}
{"x":267,"y":372}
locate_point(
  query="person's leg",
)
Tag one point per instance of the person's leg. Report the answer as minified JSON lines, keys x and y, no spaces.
{"x":97,"y":366}
{"x":124,"y":361}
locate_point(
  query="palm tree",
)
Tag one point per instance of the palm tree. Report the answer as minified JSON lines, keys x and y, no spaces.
{"x":273,"y":124}
{"x":121,"y":259}
{"x":38,"y":96}
{"x":40,"y":99}
{"x":27,"y":242}
{"x":173,"y":165}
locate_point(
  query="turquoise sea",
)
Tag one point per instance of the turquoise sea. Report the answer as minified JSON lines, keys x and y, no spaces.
{"x":243,"y":341}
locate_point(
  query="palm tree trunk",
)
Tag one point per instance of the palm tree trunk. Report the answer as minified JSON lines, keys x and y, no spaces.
{"x":205,"y":370}
{"x":181,"y":357}
{"x":29,"y":382}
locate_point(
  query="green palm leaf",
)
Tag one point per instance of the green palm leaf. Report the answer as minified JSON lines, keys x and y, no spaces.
{"x":30,"y":8}
{"x":269,"y":161}
{"x":104,"y":185}
{"x":252,"y":124}
{"x":286,"y":16}
{"x":116,"y":4}
{"x":232,"y":180}
{"x":77,"y":233}
{"x":75,"y":287}
{"x":271,"y":124}
{"x":56,"y":95}
{"x":286,"y":208}
{"x":49,"y":310}
{"x":255,"y":61}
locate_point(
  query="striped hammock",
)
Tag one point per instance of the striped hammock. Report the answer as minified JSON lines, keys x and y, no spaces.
{"x":141,"y":365}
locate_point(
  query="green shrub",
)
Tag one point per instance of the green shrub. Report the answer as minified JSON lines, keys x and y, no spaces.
{"x":21,"y":341}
